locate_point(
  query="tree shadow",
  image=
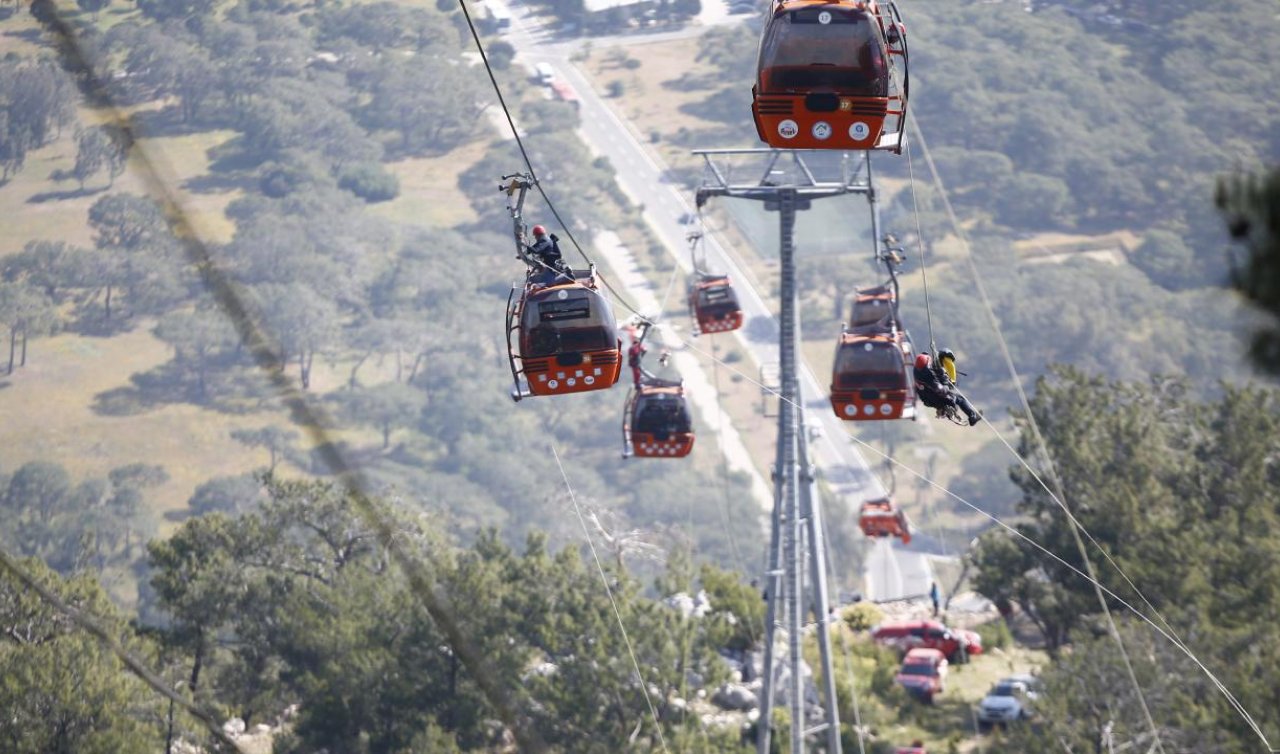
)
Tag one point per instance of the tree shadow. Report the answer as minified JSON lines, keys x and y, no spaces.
{"x":232,"y":157}
{"x":57,"y":196}
{"x":725,"y":106}
{"x":90,"y":323}
{"x":167,"y":121}
{"x":694,"y":82}
{"x":215,"y":183}
{"x":34,"y":36}
{"x":229,"y":389}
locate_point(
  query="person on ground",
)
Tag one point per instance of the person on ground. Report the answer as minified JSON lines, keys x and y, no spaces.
{"x":937,"y":390}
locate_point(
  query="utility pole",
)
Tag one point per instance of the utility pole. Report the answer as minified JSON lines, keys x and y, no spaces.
{"x":787,"y":184}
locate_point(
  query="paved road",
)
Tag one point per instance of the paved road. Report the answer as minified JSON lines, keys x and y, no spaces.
{"x":643,"y":177}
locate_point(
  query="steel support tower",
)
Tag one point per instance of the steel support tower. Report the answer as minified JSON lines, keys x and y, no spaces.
{"x":787,"y":182}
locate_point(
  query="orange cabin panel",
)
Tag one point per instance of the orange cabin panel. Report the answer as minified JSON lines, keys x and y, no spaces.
{"x":823,"y":77}
{"x":657,"y":423}
{"x":872,"y":379}
{"x":715,"y":305}
{"x":881,"y":518}
{"x":568,"y":341}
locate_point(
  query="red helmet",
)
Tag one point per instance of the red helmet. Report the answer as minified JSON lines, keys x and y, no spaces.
{"x":922,"y":360}
{"x":538,"y":230}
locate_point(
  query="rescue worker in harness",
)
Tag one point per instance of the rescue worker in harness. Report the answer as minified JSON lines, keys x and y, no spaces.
{"x":935,"y":384}
{"x":545,"y":250}
{"x":635,"y":355}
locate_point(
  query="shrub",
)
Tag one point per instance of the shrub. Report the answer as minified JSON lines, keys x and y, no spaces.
{"x":995,"y":635}
{"x":862,"y":616}
{"x":370,"y":182}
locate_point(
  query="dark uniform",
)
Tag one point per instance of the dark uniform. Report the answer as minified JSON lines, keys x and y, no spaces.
{"x":546,"y":250}
{"x":938,"y":393}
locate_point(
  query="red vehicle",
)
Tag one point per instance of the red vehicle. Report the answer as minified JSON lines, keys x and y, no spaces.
{"x":916,"y":747}
{"x":906,"y":636}
{"x":921,"y":673}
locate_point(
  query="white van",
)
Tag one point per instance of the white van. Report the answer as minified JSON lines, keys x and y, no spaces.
{"x":544,"y":73}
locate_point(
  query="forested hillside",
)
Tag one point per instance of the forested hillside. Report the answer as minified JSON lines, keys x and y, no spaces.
{"x":338,"y":163}
{"x":1054,"y":133}
{"x":1181,"y":495}
{"x":396,"y":326}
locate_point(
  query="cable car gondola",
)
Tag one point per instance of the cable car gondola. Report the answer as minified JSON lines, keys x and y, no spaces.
{"x":561,"y":333}
{"x":873,"y":308}
{"x":882,"y":518}
{"x":826,"y":76}
{"x":872,"y":376}
{"x":713,"y":305}
{"x":656,"y":421}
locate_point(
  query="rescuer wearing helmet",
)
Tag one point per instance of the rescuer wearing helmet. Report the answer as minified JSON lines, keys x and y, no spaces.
{"x":546,"y":252}
{"x":935,"y":384}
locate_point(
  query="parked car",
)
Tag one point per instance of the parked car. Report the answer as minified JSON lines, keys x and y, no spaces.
{"x":956,"y":644}
{"x":916,"y":747}
{"x":1009,"y":700}
{"x":922,"y":672}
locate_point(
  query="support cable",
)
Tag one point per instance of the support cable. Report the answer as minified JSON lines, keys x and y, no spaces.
{"x":1241,"y":710}
{"x":604,"y":579}
{"x":1226,"y":692}
{"x":1035,"y":430}
{"x":924,"y":275}
{"x":135,"y":665}
{"x":524,"y":154}
{"x":305,"y":412}
{"x":845,"y":652}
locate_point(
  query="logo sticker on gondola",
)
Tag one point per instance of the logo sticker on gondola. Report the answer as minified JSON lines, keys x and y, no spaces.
{"x":788,"y":129}
{"x":886,"y":409}
{"x":821,"y":130}
{"x":562,"y":295}
{"x":824,"y":17}
{"x":859,"y":131}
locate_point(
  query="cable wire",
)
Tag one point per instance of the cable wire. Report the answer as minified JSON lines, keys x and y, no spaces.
{"x":135,"y":665}
{"x":306,"y":412}
{"x":506,"y":111}
{"x":924,"y":275}
{"x":644,"y":687}
{"x":1226,"y":692}
{"x":1241,"y":710}
{"x":524,"y":154}
{"x":1022,"y":396}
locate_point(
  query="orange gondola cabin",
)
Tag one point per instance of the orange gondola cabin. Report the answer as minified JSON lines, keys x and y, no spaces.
{"x":714,"y":304}
{"x":872,"y":376}
{"x":656,"y":422}
{"x":832,"y":74}
{"x":562,"y":337}
{"x":882,"y":518}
